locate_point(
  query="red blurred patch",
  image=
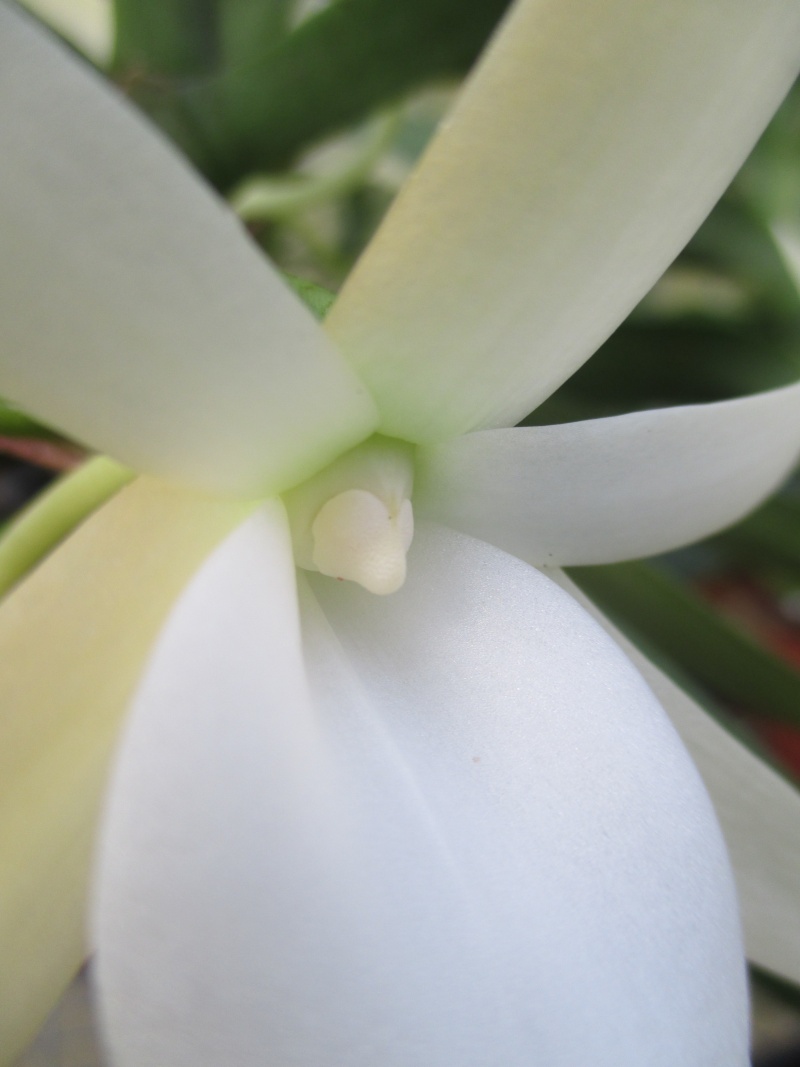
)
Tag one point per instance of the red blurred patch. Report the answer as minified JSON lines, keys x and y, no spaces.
{"x":759,"y":611}
{"x":52,"y":455}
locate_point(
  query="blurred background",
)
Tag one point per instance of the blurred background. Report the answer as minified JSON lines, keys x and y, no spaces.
{"x":308,"y":116}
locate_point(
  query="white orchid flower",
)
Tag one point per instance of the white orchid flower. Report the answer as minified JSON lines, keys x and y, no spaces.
{"x":450,"y":825}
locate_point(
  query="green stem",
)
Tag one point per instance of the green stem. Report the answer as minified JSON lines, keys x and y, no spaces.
{"x":263,"y":197}
{"x":326,"y":255}
{"x":55,"y":514}
{"x":337,"y":67}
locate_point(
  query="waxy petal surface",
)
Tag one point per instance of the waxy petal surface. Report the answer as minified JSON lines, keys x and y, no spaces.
{"x":586,"y":149}
{"x":135,"y":314}
{"x":453,"y":827}
{"x":218,"y":818}
{"x":612,"y":489}
{"x":73,"y":637}
{"x":759,"y":812}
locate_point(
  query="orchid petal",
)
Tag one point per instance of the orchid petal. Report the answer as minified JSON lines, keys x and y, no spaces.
{"x":612,"y":489}
{"x":759,"y":812}
{"x":135,"y":315}
{"x":586,"y":149}
{"x":475,"y":840}
{"x":222,"y":740}
{"x":73,"y":637}
{"x":86,"y":24}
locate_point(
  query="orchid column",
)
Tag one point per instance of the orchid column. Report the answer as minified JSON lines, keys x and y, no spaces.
{"x":451,"y":824}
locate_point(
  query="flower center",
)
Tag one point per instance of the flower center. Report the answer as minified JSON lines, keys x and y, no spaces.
{"x":354,"y":520}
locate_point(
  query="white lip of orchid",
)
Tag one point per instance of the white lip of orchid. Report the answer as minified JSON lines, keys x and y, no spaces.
{"x":354,"y":519}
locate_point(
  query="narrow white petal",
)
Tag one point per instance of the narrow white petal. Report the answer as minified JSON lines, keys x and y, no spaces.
{"x":591,"y":142}
{"x":612,"y":489}
{"x":74,"y":636}
{"x":135,"y":314}
{"x":479,"y":843}
{"x":759,"y":812}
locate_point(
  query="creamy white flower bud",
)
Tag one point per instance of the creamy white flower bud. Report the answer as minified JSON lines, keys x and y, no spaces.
{"x":354,"y":519}
{"x":360,"y":537}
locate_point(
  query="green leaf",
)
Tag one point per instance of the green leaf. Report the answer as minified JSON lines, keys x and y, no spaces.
{"x":15,"y":423}
{"x":336,"y":68}
{"x":770,"y":177}
{"x":240,"y":94}
{"x":247,"y":30}
{"x":655,"y":364}
{"x":738,"y":243}
{"x":158,"y":39}
{"x":642,"y":597}
{"x":161,"y":47}
{"x":662,"y":356}
{"x":769,"y":535}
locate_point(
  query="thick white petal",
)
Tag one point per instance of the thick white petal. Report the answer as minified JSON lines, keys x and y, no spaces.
{"x":611,"y":489}
{"x":134,"y":313}
{"x":588,"y":146}
{"x":479,"y":843}
{"x":758,"y":810}
{"x":214,"y":819}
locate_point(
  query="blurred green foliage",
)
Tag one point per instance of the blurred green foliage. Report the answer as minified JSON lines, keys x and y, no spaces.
{"x":242,"y":88}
